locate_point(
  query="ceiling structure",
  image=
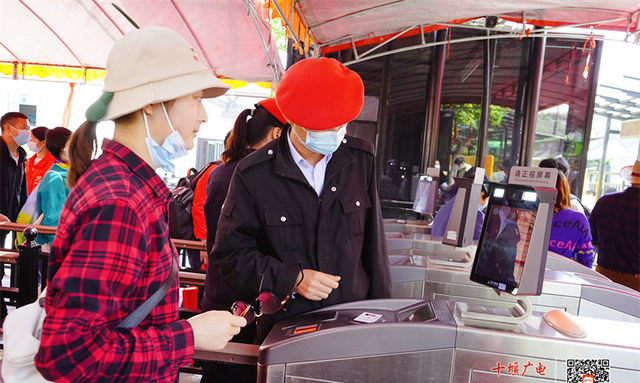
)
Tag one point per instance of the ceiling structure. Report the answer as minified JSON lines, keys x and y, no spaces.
{"x":331,"y":25}
{"x":71,"y":38}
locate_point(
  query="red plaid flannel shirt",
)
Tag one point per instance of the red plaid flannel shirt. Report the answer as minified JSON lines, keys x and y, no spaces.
{"x":112,"y":251}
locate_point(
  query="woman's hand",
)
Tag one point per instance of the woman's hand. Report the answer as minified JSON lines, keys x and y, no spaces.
{"x":212,"y":330}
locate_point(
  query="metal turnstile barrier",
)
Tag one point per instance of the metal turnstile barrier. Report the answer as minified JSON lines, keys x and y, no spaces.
{"x":428,"y":341}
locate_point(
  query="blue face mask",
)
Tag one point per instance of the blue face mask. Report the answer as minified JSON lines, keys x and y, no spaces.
{"x":164,"y":156}
{"x":23,"y":136}
{"x":323,"y":142}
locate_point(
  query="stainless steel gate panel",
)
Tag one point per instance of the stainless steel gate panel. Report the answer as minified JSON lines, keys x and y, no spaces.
{"x":428,"y":366}
{"x":594,"y":310}
{"x":616,"y":341}
{"x":407,"y":290}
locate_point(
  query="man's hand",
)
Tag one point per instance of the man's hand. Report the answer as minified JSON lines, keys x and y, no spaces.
{"x":316,"y":285}
{"x":212,"y":330}
{"x":3,"y":218}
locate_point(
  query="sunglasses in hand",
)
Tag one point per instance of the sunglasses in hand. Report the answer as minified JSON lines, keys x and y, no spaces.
{"x":264,"y":303}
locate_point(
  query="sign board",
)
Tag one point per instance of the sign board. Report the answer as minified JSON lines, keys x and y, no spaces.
{"x":536,"y":177}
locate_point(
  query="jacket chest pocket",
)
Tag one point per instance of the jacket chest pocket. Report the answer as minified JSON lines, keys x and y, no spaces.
{"x":284,"y":227}
{"x":355,"y":207}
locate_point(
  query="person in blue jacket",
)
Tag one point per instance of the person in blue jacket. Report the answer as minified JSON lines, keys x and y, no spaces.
{"x":53,"y":189}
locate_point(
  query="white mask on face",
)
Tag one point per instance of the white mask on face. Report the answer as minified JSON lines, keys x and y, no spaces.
{"x":323,"y":142}
{"x":23,"y":136}
{"x":164,"y":156}
{"x":33,"y":146}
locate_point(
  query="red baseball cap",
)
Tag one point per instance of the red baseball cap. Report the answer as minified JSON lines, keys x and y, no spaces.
{"x":320,"y":94}
{"x":272,"y":107}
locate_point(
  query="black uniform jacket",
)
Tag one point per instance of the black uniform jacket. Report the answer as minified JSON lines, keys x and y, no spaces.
{"x":272,"y":219}
{"x":13,"y":182}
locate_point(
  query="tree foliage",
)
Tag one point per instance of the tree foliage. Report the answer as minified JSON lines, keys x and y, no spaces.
{"x":468,"y":115}
{"x":279,"y":33}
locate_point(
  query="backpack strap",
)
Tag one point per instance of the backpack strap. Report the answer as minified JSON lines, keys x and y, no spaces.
{"x":132,"y":320}
{"x":197,"y":176}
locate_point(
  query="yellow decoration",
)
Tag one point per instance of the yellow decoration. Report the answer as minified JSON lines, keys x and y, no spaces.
{"x":43,"y":71}
{"x":239,"y":84}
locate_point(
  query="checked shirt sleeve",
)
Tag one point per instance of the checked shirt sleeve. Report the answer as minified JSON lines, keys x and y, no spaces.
{"x":106,"y":272}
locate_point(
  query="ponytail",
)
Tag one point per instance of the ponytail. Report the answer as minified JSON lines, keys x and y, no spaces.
{"x":247,"y":133}
{"x":237,"y":144}
{"x":81,"y":148}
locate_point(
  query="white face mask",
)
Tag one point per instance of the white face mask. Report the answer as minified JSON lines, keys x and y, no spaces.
{"x":164,"y":156}
{"x":33,"y":146}
{"x":23,"y":136}
{"x":323,"y":142}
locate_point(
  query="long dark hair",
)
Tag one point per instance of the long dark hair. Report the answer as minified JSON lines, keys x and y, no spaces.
{"x":40,"y":133}
{"x":247,"y":132}
{"x":56,"y":140}
{"x":82,"y":146}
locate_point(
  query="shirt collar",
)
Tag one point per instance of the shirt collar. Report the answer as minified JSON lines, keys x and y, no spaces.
{"x":138,"y":166}
{"x":297,"y":158}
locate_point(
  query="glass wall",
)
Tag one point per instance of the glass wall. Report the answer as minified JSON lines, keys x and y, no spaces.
{"x":397,"y":88}
{"x":563,"y":109}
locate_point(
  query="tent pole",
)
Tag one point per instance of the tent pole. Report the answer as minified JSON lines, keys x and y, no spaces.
{"x":308,"y":31}
{"x":53,"y":32}
{"x":175,"y":6}
{"x":252,"y":12}
{"x":287,"y":22}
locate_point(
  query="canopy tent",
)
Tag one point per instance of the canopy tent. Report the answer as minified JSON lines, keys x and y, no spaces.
{"x":331,"y":25}
{"x":71,"y":38}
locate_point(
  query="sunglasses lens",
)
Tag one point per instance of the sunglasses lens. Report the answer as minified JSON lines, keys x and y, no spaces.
{"x":240,"y":307}
{"x":269,"y":304}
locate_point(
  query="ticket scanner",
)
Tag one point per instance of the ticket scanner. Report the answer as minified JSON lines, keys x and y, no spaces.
{"x":414,"y":340}
{"x":568,"y":285}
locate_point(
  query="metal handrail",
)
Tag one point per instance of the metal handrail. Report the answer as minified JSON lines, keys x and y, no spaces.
{"x":179,"y":243}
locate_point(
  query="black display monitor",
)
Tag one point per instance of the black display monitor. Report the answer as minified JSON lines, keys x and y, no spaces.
{"x":506,"y":237}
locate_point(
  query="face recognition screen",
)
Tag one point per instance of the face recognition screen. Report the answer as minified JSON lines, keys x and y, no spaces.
{"x":505,"y":238}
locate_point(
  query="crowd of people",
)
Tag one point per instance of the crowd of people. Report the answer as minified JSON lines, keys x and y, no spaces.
{"x":301,"y":219}
{"x":291,"y":210}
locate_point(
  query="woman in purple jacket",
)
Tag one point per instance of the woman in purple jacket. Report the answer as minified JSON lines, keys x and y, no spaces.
{"x":570,"y":230}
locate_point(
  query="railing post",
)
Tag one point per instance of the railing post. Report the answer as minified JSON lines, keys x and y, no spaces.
{"x":28,"y":268}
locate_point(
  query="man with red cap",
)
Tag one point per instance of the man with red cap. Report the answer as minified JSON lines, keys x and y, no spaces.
{"x":303,"y":210}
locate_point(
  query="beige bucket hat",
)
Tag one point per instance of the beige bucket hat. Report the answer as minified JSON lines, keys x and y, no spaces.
{"x":151,"y":65}
{"x":630,"y":173}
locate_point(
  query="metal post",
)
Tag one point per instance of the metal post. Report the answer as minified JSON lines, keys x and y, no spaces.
{"x":593,"y":86}
{"x":603,"y":157}
{"x":381,"y":137}
{"x":434,"y":95}
{"x":483,"y":128}
{"x":536,"y":68}
{"x":28,"y":268}
{"x":516,"y":156}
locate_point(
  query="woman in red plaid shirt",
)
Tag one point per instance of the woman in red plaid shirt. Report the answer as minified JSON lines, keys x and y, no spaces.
{"x":112,"y":250}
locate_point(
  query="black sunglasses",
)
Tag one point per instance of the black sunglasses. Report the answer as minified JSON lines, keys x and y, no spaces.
{"x":265,"y":302}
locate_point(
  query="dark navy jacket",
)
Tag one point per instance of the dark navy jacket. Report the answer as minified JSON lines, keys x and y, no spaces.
{"x":272,"y":219}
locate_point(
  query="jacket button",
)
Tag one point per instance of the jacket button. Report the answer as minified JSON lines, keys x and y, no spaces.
{"x":333,"y":189}
{"x":357,"y":203}
{"x":269,"y":152}
{"x":283,"y":218}
{"x":344,"y":140}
